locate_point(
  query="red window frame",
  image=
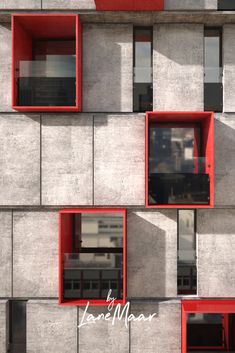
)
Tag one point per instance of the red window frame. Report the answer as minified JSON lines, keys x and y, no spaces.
{"x":26,"y":27}
{"x":186,"y":119}
{"x":63,"y":224}
{"x":210,"y":306}
{"x":129,"y":5}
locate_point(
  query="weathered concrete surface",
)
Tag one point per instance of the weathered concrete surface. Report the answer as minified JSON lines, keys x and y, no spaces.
{"x":67,"y":159}
{"x":224,"y":159}
{"x":107,"y":68}
{"x":5,"y":254}
{"x":162,"y":334}
{"x":19,"y":159}
{"x":103,"y":337}
{"x":20,"y":5}
{"x":216,"y":249}
{"x":3,"y":343}
{"x":5,"y":67}
{"x":51,"y":328}
{"x":152,"y":254}
{"x":178,"y":67}
{"x":119,"y":160}
{"x":190,"y":5}
{"x":68,"y":4}
{"x":35,"y":254}
{"x":229,"y":67}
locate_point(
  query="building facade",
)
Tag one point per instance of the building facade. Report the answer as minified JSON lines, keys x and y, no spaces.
{"x":117,"y":169}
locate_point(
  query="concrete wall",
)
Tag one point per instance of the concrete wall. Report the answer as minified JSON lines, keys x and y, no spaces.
{"x":51,"y":328}
{"x":3,"y":337}
{"x":35,"y":254}
{"x":68,"y":4}
{"x":5,"y":67}
{"x":178,"y":67}
{"x":163,"y":334}
{"x":107,"y":68}
{"x":119,"y":160}
{"x":5,"y":253}
{"x":190,"y":5}
{"x":229,"y":67}
{"x":20,"y":4}
{"x":152,"y":254}
{"x":216,"y":248}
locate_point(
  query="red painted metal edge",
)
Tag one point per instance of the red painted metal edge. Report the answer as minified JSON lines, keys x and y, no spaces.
{"x":129,"y":5}
{"x":101,"y":302}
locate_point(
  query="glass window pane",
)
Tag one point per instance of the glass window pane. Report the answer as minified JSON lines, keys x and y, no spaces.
{"x":187,"y":241}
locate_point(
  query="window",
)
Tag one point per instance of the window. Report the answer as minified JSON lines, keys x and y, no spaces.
{"x":93,"y":256}
{"x":213,"y":88}
{"x":179,"y":159}
{"x":208,"y":325}
{"x":186,"y":266}
{"x":46,"y":62}
{"x":17,"y":326}
{"x":226,"y":4}
{"x":143,"y":82}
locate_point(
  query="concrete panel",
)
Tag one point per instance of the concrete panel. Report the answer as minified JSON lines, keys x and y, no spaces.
{"x":107,"y":68}
{"x":178,"y":67}
{"x":35,"y":244}
{"x":119,"y":160}
{"x":3,"y":338}
{"x":162,"y":334}
{"x":19,"y":160}
{"x":5,"y":254}
{"x":68,"y":4}
{"x":190,"y":5}
{"x":5,"y":67}
{"x":229,"y":67}
{"x":224,"y":159}
{"x":20,"y":4}
{"x":102,"y":337}
{"x":51,"y":328}
{"x":152,"y":254}
{"x":216,"y":249}
{"x":67,"y":159}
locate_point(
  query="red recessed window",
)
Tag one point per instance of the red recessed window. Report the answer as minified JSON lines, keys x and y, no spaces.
{"x":46,"y":66}
{"x":179,"y":159}
{"x":129,"y":5}
{"x":208,"y":325}
{"x":92,"y":256}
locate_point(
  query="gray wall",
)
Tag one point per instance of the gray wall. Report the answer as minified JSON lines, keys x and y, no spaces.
{"x":178,"y":67}
{"x":5,"y":253}
{"x":3,"y":304}
{"x":229,"y":67}
{"x":190,"y":5}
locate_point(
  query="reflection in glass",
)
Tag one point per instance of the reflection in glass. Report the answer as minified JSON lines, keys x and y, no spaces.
{"x":187,"y":273}
{"x":143,"y":95}
{"x":17,"y":326}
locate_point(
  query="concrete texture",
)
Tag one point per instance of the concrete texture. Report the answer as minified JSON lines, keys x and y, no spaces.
{"x":229,"y":67}
{"x":152,"y":254}
{"x":216,"y":248}
{"x":19,"y":159}
{"x":3,"y":304}
{"x":107,"y":68}
{"x":102,"y":337}
{"x":35,"y":254}
{"x":51,"y":328}
{"x":162,"y":334}
{"x":20,"y":4}
{"x":5,"y":254}
{"x":178,"y":67}
{"x":5,"y":67}
{"x":119,"y":160}
{"x":190,"y":5}
{"x":68,"y":4}
{"x":67,"y":159}
{"x":224,"y":159}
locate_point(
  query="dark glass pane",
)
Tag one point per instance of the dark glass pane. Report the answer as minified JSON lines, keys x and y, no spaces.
{"x":213,"y":89}
{"x":226,"y":5}
{"x":17,"y":326}
{"x":143,"y":93}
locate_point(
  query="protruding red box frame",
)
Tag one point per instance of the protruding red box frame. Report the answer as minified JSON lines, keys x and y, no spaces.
{"x":62,"y":227}
{"x":26,"y":27}
{"x":207,"y":306}
{"x":207,"y":121}
{"x":129,"y":5}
